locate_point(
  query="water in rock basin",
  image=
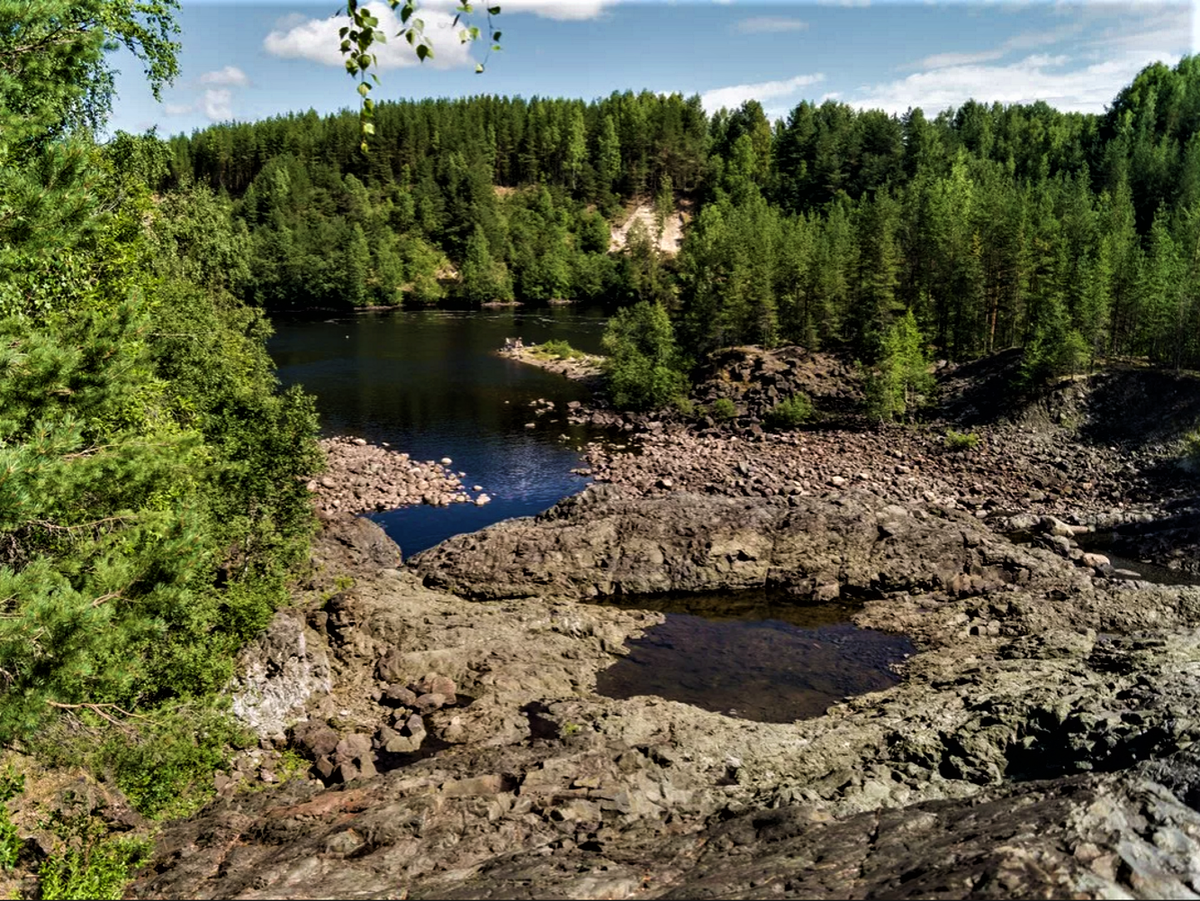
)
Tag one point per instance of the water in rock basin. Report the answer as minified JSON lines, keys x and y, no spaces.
{"x":430,"y":383}
{"x":747,"y":656}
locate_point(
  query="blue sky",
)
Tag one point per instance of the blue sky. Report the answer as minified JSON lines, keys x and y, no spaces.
{"x":247,"y":62}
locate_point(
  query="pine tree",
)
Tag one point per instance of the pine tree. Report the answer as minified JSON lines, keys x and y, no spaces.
{"x":900,"y":382}
{"x":643,"y":367}
{"x":481,"y":279}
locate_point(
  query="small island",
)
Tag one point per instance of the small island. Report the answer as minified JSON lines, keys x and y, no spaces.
{"x":556,"y":356}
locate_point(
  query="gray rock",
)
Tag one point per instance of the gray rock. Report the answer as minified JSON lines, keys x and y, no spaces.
{"x":277,"y":675}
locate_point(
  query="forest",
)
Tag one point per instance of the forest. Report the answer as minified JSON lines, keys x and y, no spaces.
{"x":152,"y":472}
{"x":1073,"y":236}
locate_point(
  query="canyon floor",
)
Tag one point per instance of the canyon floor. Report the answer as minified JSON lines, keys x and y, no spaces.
{"x":1041,"y":742}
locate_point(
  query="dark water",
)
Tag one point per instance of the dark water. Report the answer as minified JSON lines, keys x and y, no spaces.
{"x":1102,"y":543}
{"x":430,"y":384}
{"x":747,"y":656}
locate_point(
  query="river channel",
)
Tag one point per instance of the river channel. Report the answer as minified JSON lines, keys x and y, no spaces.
{"x":429,"y":382}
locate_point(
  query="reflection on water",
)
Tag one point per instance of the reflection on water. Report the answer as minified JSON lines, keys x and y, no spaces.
{"x":430,"y":383}
{"x":1105,"y":542}
{"x":750,"y":657}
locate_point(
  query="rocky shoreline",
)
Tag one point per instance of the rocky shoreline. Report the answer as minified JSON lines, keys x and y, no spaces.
{"x":584,"y":368}
{"x":362,"y":478}
{"x":1042,"y":741}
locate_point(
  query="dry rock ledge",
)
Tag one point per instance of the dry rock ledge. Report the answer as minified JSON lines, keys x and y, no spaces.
{"x":1043,"y":743}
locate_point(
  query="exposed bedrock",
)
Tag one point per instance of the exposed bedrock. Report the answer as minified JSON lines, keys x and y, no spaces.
{"x":609,"y":542}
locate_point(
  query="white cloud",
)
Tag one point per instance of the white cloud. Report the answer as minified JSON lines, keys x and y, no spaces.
{"x":317,"y":40}
{"x":291,"y":20}
{"x":735,"y":95}
{"x":1081,"y":89}
{"x":230,"y":75}
{"x":178,"y":109}
{"x":217,"y":104}
{"x":571,"y":10}
{"x":1027,"y":40}
{"x":769,"y":24}
{"x":1089,"y":60}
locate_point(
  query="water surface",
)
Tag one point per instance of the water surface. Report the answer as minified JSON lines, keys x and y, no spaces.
{"x":430,"y":383}
{"x":747,"y":656}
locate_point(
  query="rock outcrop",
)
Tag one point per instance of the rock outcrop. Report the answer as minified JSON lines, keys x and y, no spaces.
{"x":1041,"y":744}
{"x":607,"y":542}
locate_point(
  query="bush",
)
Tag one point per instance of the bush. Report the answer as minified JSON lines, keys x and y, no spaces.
{"x":723,"y":409}
{"x":790,"y":413}
{"x":86,"y":862}
{"x":960,"y":441}
{"x":685,"y":406}
{"x":1191,"y":450}
{"x":560,"y":350}
{"x":643,"y":367}
{"x":166,"y":770}
{"x":11,"y":785}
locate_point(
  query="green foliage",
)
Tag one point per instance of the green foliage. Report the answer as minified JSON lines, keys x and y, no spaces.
{"x":87,"y":863}
{"x":11,"y":785}
{"x":790,"y":413}
{"x":559,"y":350}
{"x":363,"y":33}
{"x":643,"y":366}
{"x":166,"y":769}
{"x":54,"y":77}
{"x":686,"y":407}
{"x":961,"y":441}
{"x":900,"y":381}
{"x":1054,"y":350}
{"x":723,"y":409}
{"x":1191,"y":450}
{"x":483,"y":279}
{"x":151,"y":472}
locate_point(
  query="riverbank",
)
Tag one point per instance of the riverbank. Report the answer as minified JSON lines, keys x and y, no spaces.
{"x":1018,"y":715}
{"x":361,"y":478}
{"x":1039,"y":743}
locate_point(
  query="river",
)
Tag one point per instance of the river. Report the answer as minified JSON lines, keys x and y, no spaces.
{"x":429,"y":382}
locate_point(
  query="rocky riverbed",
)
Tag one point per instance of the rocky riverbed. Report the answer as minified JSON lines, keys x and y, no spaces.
{"x":361,"y":477}
{"x":1041,"y":743}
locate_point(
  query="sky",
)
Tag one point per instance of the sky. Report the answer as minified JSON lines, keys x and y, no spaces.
{"x":245,"y":61}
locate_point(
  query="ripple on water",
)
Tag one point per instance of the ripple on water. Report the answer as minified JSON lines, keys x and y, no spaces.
{"x":751,"y":658}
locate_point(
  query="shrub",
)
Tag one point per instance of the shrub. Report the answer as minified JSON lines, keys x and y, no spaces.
{"x":685,"y":406}
{"x":11,"y":785}
{"x":166,"y":770}
{"x":1191,"y":450}
{"x":960,"y":441}
{"x":790,"y":413}
{"x":86,"y":862}
{"x":559,"y":349}
{"x":723,"y":409}
{"x":643,"y":367}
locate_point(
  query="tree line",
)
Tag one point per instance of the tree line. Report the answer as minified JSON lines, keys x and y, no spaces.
{"x":1074,"y":236}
